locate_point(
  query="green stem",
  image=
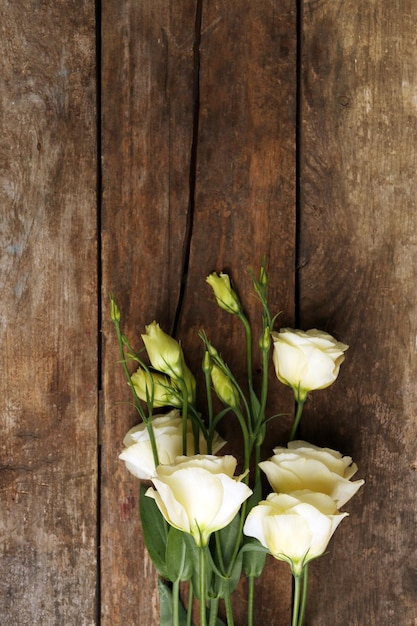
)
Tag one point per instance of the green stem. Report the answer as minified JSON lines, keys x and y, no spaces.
{"x":296,"y":601}
{"x":203,"y":584}
{"x":257,"y":461}
{"x":214,"y":609}
{"x":228,"y":608}
{"x":251,"y":594}
{"x":303,"y":596}
{"x":147,"y":421}
{"x":300,"y":406}
{"x":184,"y":392}
{"x":152,"y":439}
{"x":264,"y":390}
{"x":209,"y":409}
{"x":246,"y":439}
{"x":190,"y":604}
{"x":248,"y":333}
{"x":175,"y":602}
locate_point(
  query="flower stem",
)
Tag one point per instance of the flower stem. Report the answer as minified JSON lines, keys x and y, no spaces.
{"x":190,"y":604}
{"x":303,"y":596}
{"x":214,"y":607}
{"x":248,"y":333}
{"x":203,"y":584}
{"x":229,"y":610}
{"x":300,"y":406}
{"x":296,"y":601}
{"x":251,"y":582}
{"x":175,"y":602}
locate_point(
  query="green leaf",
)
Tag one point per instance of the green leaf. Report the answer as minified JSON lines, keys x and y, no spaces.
{"x":165,"y":606}
{"x":179,"y":558}
{"x":228,"y":537}
{"x":225,"y":585}
{"x":254,"y":556}
{"x":155,"y":531}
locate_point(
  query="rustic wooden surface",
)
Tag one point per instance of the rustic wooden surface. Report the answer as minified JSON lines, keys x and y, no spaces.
{"x":358,"y":279}
{"x":195,"y":181}
{"x":212,"y":184}
{"x":48,"y":328}
{"x":147,"y":103}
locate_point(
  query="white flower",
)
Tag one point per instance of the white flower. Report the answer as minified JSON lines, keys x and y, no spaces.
{"x":305,"y":466}
{"x":199,"y":494}
{"x":307,"y":360}
{"x":296,"y":527}
{"x":138,"y":454}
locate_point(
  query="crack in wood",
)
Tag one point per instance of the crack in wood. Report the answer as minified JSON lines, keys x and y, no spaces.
{"x":193,"y":166}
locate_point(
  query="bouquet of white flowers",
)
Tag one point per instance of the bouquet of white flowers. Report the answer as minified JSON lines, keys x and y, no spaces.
{"x":202,"y":523}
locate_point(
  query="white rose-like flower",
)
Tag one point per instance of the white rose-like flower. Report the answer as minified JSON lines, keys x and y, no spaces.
{"x":138,"y":454}
{"x":295,"y":527}
{"x":304,"y":466}
{"x":199,"y":494}
{"x":306,"y":360}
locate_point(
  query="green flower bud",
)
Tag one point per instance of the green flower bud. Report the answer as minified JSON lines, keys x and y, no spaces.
{"x":263,"y":278}
{"x":224,"y":388}
{"x":226,"y":298}
{"x":165,"y":353}
{"x":158,"y":386}
{"x":265,"y":340}
{"x":206,"y":365}
{"x":114,"y":311}
{"x":189,"y":381}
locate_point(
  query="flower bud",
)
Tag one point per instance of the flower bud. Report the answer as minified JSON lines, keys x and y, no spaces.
{"x":189,"y":382}
{"x":165,"y":353}
{"x":265,"y":340}
{"x":226,"y":298}
{"x":263,"y":278}
{"x":114,"y":310}
{"x":156,"y":386}
{"x":224,"y":388}
{"x":206,"y":365}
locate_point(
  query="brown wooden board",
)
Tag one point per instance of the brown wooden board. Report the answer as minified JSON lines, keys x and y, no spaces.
{"x":48,"y":328}
{"x":358,"y":263}
{"x":232,"y":178}
{"x":245,"y":208}
{"x":147,"y":103}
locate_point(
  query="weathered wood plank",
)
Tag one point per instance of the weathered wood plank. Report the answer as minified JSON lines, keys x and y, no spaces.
{"x":147,"y":102}
{"x":245,"y":207}
{"x":358,"y":280}
{"x":48,"y":327}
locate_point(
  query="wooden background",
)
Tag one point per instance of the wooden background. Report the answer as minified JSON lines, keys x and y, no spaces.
{"x":144,"y":145}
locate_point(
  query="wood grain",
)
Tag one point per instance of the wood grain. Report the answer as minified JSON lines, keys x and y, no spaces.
{"x":234,"y":185}
{"x":358,"y":280}
{"x":245,"y":208}
{"x":48,"y":324}
{"x":147,"y":105}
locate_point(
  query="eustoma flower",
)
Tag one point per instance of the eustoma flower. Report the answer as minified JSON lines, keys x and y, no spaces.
{"x":167,"y":429}
{"x":166,"y":356}
{"x":295,"y":527}
{"x":224,"y":388}
{"x":155,"y":386}
{"x":199,"y":494}
{"x":306,"y":360}
{"x":304,"y":466}
{"x":226,"y":298}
